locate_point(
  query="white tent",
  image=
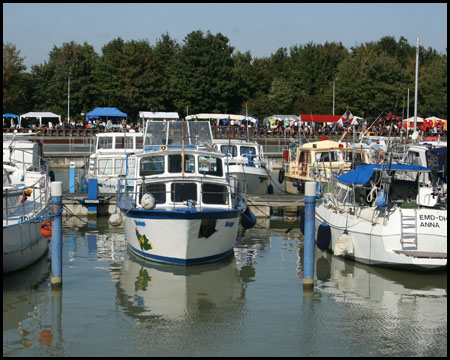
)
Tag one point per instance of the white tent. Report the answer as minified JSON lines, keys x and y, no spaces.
{"x":410,"y":121}
{"x":39,"y":115}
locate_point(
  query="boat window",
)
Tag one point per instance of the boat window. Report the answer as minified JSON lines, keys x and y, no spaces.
{"x":214,"y":194}
{"x":180,"y":192}
{"x":344,"y":195}
{"x":105,"y":167}
{"x":326,"y":156}
{"x":210,"y":165}
{"x":105,"y":143}
{"x":139,"y":142}
{"x":175,"y":163}
{"x":248,"y":150}
{"x":119,"y":166}
{"x":157,"y":190}
{"x":124,"y":142}
{"x":229,"y":150}
{"x":414,"y":158}
{"x":151,"y":165}
{"x":359,"y":157}
{"x":303,"y":157}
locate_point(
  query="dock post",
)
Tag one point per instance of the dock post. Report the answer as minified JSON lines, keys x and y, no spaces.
{"x":56,"y":242}
{"x":310,"y":213}
{"x":72,"y":175}
{"x":92,"y":196}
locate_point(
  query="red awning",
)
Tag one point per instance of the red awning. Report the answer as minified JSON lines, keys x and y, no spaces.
{"x":320,"y":118}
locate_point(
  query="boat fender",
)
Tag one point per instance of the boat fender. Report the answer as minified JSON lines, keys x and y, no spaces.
{"x":344,"y":245}
{"x":148,"y":201}
{"x":248,"y":219}
{"x":281,"y":176}
{"x":52,"y":176}
{"x":270,"y":189}
{"x":381,"y":157}
{"x":46,"y":228}
{"x":323,"y":236}
{"x":115,"y":219}
{"x":302,"y":222}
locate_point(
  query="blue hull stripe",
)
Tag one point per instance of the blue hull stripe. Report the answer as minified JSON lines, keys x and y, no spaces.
{"x":178,"y":261}
{"x":187,"y":214}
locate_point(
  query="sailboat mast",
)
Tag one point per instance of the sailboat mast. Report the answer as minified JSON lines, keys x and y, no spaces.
{"x":417,"y":85}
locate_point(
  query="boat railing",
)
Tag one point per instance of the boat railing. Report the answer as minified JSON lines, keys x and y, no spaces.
{"x":128,"y":198}
{"x":20,"y":205}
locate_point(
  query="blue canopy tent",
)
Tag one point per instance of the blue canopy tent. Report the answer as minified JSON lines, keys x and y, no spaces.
{"x":110,"y":113}
{"x":9,"y":115}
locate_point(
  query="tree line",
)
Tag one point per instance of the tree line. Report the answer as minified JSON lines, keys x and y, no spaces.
{"x":205,"y":74}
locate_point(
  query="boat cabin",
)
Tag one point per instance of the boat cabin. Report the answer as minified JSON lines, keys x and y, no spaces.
{"x":321,"y":158}
{"x":161,"y":174}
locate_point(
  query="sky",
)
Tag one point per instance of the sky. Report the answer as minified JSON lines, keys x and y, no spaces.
{"x":261,"y":28}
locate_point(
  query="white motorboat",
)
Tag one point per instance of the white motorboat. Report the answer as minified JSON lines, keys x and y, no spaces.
{"x":108,"y":162}
{"x":246,"y":162}
{"x":26,"y":198}
{"x":373,"y":217}
{"x":245,"y":158}
{"x":176,"y":199}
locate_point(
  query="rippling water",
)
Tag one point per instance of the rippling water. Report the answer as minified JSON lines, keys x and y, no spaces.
{"x":251,"y":304}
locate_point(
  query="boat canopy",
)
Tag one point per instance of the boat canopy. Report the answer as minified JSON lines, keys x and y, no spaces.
{"x":363,"y":173}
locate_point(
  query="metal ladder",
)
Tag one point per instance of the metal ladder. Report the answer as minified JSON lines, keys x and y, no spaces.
{"x":408,"y":228}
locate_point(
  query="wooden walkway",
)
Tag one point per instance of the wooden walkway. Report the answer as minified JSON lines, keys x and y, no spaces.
{"x":276,"y":200}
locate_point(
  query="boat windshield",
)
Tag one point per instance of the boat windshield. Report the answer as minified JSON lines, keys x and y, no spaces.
{"x":248,"y":150}
{"x":226,"y":150}
{"x":171,"y":132}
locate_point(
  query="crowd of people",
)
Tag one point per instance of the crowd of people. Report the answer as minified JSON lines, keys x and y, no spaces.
{"x":279,"y":129}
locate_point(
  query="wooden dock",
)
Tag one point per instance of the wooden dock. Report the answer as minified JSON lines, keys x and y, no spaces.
{"x":260,"y":205}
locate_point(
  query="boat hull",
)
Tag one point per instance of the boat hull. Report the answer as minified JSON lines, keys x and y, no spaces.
{"x":382,"y":245}
{"x":184,"y":237}
{"x":257,"y":180}
{"x":23,"y":245}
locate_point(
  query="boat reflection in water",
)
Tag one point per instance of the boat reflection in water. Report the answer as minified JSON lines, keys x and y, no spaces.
{"x":173,"y":292}
{"x":352,"y":282}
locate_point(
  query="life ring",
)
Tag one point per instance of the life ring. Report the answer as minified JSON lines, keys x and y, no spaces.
{"x":46,"y":228}
{"x":380,"y":157}
{"x":281,"y":176}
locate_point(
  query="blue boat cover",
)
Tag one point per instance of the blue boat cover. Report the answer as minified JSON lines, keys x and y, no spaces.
{"x":363,"y":173}
{"x":8,"y":115}
{"x":105,"y":111}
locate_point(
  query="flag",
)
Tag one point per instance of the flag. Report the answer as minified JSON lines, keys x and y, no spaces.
{"x":347,"y":116}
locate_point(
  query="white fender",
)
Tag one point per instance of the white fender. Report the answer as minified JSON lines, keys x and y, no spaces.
{"x":344,"y":245}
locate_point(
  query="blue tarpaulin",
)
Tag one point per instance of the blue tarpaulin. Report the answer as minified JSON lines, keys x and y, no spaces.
{"x":363,"y":173}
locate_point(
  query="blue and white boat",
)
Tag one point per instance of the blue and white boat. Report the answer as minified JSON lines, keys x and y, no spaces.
{"x":26,"y":198}
{"x":177,"y":201}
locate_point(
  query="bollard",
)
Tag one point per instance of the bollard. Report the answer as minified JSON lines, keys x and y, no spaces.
{"x":72,"y":175}
{"x":92,"y":196}
{"x":56,"y":243}
{"x":310,"y":213}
